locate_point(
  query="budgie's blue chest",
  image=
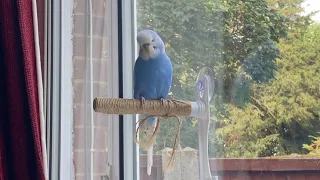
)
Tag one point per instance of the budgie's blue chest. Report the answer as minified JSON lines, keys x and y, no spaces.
{"x":152,"y":78}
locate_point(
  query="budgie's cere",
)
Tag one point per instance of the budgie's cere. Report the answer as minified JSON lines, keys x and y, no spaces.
{"x":152,"y":78}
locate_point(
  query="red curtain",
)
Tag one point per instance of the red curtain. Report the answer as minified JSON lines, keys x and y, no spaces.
{"x":20,"y":146}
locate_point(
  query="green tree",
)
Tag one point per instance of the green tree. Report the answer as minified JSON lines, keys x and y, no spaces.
{"x":281,"y":114}
{"x":219,"y":34}
{"x":314,"y":147}
{"x":236,"y":38}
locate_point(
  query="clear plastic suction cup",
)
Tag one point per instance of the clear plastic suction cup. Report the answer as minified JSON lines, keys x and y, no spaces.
{"x":203,"y":74}
{"x":205,"y":88}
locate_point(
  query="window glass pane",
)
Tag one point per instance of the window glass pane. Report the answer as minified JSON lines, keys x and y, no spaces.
{"x":90,"y":75}
{"x":265,"y":58}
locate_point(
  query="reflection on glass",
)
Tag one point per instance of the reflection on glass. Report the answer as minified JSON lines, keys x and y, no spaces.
{"x":91,"y":74}
{"x":265,"y":57}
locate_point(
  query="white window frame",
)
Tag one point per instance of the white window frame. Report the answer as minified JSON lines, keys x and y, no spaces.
{"x":131,"y":165}
{"x":58,"y":88}
{"x":66,"y":92}
{"x":53,"y":85}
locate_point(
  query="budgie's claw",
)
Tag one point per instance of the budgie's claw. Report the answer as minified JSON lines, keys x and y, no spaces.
{"x":162,"y":101}
{"x":143,"y":100}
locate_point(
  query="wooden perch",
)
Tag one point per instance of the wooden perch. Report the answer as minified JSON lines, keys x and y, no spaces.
{"x":135,"y":106}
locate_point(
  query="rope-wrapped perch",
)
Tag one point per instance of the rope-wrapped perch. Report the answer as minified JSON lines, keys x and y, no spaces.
{"x":133,"y":106}
{"x":168,"y":108}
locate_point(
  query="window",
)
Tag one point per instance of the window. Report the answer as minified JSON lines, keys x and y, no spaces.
{"x":95,"y":67}
{"x":265,"y":65}
{"x":82,"y":63}
{"x":264,"y":55}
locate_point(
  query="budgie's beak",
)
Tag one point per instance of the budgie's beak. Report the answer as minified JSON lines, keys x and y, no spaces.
{"x":146,"y":47}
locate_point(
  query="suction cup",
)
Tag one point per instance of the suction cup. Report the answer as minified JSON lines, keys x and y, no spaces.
{"x":203,"y":74}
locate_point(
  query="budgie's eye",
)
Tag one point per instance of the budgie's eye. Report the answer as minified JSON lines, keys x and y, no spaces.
{"x":152,"y":40}
{"x":154,"y":47}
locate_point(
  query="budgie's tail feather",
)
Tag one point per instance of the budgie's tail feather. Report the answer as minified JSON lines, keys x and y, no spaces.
{"x":146,"y":141}
{"x":149,"y":159}
{"x":149,"y":126}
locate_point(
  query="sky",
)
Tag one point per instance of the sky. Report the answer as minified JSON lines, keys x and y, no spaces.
{"x":312,"y":5}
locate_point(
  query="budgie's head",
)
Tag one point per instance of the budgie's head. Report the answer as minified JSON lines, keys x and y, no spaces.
{"x":151,"y":45}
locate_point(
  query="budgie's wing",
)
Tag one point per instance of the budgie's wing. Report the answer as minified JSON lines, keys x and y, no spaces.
{"x":152,"y":78}
{"x":137,"y":78}
{"x":164,"y":77}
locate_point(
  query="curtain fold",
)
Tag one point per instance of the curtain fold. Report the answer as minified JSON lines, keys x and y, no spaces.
{"x":38,"y":34}
{"x":20,"y":142}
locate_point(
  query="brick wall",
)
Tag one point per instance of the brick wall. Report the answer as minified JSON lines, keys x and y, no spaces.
{"x":101,"y":58}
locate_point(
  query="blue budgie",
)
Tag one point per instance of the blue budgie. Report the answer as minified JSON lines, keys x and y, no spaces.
{"x":152,"y":79}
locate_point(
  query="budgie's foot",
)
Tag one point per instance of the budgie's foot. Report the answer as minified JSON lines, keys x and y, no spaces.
{"x":163,"y":101}
{"x":143,"y":100}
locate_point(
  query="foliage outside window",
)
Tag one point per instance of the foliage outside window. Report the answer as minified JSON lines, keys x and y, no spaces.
{"x":266,"y":61}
